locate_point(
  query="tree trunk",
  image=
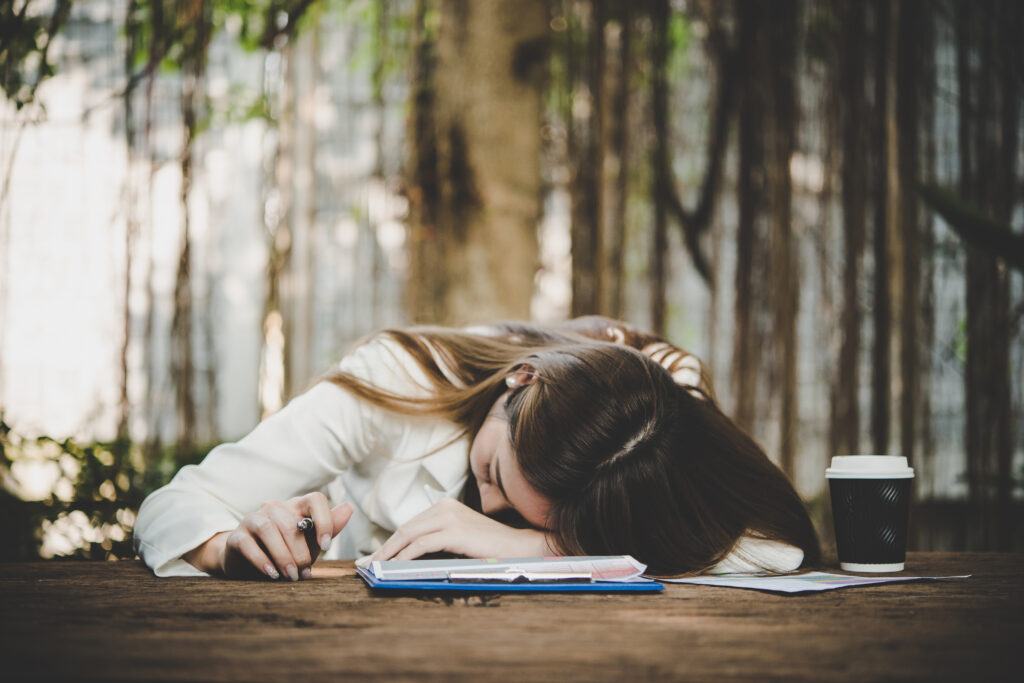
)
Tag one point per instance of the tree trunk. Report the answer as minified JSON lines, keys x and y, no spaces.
{"x":660,"y":157}
{"x":988,"y":146}
{"x":881,"y":315}
{"x":1008,"y":75}
{"x":693,"y":223}
{"x":587,"y":121}
{"x":474,"y":172}
{"x":822,"y":20}
{"x":894,"y":199}
{"x":131,"y":223}
{"x":153,"y":403}
{"x":851,"y":82}
{"x":278,"y":212}
{"x":749,"y":191}
{"x":908,"y":122}
{"x":182,"y":359}
{"x":428,"y":283}
{"x":973,"y":436}
{"x":783,"y":31}
{"x":196,"y":16}
{"x":926,"y":93}
{"x":382,"y":20}
{"x":615,"y":145}
{"x":301,"y":308}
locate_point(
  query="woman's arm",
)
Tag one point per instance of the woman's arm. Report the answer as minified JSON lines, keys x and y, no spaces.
{"x":184,"y":528}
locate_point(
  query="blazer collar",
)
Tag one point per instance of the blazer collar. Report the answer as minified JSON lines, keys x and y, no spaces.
{"x":449,"y":467}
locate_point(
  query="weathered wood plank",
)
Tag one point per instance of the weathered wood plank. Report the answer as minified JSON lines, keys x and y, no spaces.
{"x":115,"y":621}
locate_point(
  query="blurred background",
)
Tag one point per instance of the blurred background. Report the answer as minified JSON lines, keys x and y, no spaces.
{"x":203,"y":203}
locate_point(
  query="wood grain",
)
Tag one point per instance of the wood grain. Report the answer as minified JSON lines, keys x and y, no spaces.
{"x":114,"y":621}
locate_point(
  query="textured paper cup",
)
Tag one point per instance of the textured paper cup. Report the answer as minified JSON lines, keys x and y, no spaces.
{"x":870,"y":507}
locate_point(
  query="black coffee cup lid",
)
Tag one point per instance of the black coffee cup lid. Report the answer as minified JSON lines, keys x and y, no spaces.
{"x":869,"y":467}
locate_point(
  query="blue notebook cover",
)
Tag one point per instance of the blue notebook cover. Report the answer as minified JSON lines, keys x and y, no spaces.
{"x":645,"y":586}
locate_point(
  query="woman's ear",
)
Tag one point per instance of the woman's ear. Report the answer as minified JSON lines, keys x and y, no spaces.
{"x":521,"y":376}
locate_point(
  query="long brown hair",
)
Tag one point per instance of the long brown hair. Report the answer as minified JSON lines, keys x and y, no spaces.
{"x":632,"y":462}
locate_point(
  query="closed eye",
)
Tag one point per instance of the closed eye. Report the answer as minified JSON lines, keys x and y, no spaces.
{"x":497,"y":478}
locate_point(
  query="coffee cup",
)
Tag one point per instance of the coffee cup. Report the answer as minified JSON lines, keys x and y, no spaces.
{"x":870,"y":508}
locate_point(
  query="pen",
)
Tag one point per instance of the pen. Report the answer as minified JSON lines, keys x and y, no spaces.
{"x":308,"y":529}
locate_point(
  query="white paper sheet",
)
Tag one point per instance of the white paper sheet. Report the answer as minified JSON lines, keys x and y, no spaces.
{"x":800,"y":583}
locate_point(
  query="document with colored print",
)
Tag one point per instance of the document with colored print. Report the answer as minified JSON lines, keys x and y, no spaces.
{"x":801,"y":583}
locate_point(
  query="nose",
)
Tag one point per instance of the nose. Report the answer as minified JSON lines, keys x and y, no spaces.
{"x":491,"y":500}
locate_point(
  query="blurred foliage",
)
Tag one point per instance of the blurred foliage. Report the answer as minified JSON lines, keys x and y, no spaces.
{"x":680,"y":34}
{"x":166,"y":35}
{"x":165,"y":31}
{"x":384,"y":50}
{"x":381,"y":47}
{"x":68,"y":498}
{"x":26,"y":35}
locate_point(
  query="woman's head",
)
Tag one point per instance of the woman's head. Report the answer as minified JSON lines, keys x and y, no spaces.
{"x":595,"y":442}
{"x":499,"y":480}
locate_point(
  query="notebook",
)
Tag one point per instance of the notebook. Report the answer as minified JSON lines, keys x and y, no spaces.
{"x":580,"y":574}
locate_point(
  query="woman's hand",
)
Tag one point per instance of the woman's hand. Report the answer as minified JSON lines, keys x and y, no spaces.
{"x":268,"y":541}
{"x":449,"y":526}
{"x":684,"y":367}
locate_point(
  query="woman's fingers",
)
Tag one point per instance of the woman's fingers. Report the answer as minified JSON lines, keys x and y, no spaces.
{"x":266,"y":531}
{"x":393,"y":545}
{"x":660,"y":352}
{"x":447,"y":513}
{"x":340,"y":515}
{"x":316,"y":506}
{"x":270,"y":540}
{"x":241,"y":544}
{"x":684,"y":367}
{"x":430,"y":543}
{"x":687,"y":372}
{"x":408,"y":533}
{"x":287,"y":523}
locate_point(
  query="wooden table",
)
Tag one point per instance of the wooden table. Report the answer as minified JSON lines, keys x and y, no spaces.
{"x":113,"y":621}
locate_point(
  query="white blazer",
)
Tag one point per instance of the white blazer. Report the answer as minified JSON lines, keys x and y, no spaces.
{"x":328,"y":440}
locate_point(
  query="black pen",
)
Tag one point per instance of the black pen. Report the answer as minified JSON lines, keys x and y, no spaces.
{"x":308,"y":529}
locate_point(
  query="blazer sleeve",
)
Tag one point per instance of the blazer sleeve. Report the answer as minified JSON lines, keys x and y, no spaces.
{"x":299,"y":449}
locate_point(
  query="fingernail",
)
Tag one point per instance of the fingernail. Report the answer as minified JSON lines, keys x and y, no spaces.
{"x":293,"y":573}
{"x":271,"y":572}
{"x":325,"y":542}
{"x":307,"y":573}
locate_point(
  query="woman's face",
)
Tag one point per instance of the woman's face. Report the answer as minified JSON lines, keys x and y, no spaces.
{"x":497,"y":473}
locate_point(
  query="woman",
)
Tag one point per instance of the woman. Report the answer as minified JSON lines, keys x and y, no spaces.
{"x":510,"y":440}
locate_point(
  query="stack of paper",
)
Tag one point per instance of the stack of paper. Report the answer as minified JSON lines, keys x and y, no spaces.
{"x":596,"y":568}
{"x":599,"y":574}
